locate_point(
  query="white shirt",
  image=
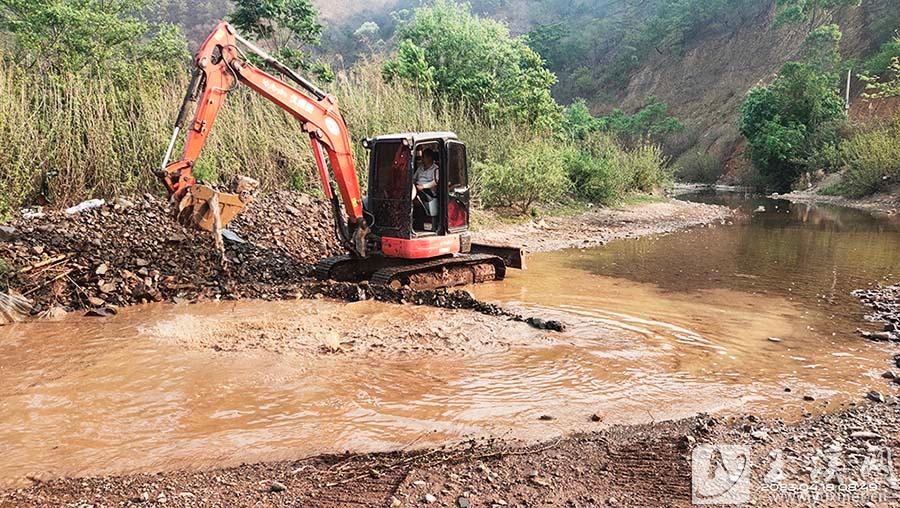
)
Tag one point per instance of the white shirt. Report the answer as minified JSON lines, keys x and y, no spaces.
{"x":427,"y":175}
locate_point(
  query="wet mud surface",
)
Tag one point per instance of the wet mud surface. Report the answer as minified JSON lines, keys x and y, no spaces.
{"x":367,"y":329}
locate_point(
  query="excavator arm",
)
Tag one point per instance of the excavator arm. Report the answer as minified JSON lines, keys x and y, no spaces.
{"x":220,"y":65}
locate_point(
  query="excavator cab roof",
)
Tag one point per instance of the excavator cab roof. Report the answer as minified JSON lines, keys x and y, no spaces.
{"x":412,"y":137}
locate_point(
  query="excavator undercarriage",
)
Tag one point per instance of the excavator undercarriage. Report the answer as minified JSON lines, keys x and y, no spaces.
{"x":446,"y":271}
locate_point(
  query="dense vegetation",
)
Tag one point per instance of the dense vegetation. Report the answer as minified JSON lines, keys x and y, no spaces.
{"x":99,"y":82}
{"x":797,"y":127}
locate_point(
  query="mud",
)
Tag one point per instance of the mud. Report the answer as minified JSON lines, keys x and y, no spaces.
{"x":364,"y":329}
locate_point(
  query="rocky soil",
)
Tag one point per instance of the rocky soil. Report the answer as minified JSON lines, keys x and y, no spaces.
{"x":884,"y":301}
{"x":887,"y":203}
{"x":132,"y":251}
{"x":643,"y":465}
{"x":604,"y":225}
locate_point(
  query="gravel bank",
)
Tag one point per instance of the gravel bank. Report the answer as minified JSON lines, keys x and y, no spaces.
{"x":641,"y":465}
{"x":604,"y":225}
{"x":131,"y":251}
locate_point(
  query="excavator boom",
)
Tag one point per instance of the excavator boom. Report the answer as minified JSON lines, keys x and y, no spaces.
{"x":220,"y":66}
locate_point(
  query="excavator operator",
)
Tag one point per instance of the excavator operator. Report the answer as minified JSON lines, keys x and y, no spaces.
{"x":425,"y":180}
{"x":426,"y":175}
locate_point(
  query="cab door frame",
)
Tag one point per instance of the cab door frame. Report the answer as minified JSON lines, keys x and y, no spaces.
{"x":460,"y":194}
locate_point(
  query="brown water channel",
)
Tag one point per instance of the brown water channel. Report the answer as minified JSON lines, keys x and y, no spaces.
{"x":718,"y":319}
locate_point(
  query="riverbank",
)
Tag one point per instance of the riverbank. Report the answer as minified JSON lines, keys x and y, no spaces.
{"x":603,"y":225}
{"x":619,"y":465}
{"x":638,"y":465}
{"x":883,"y":203}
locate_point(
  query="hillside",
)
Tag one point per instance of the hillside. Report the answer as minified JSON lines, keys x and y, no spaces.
{"x":702,"y":70}
{"x":705,"y":84}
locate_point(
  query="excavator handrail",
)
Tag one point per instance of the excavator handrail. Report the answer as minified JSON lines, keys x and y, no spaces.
{"x":219,"y":66}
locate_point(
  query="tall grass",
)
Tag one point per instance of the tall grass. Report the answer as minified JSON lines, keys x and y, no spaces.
{"x":72,"y":139}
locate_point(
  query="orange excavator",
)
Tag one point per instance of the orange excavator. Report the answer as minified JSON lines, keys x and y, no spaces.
{"x":398,"y":235}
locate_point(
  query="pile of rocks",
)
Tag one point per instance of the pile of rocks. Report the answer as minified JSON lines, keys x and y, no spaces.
{"x":132,"y":251}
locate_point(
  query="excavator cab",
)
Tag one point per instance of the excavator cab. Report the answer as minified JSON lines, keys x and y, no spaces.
{"x":397,"y":210}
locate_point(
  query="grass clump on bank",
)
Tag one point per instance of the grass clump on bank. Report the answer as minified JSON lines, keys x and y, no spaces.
{"x":872,"y":160}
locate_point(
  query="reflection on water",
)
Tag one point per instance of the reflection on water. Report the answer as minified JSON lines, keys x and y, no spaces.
{"x":716,"y":319}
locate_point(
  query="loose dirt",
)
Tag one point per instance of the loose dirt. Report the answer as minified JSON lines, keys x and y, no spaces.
{"x":638,"y":465}
{"x":133,"y":252}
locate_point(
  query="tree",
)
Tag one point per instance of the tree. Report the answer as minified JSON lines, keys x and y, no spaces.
{"x":366,"y":34}
{"x":546,"y":40}
{"x":475,"y":61}
{"x":882,"y":76}
{"x":410,"y":67}
{"x":821,"y":49}
{"x":652,"y":120}
{"x":71,"y":35}
{"x":814,"y":12}
{"x":285,"y":28}
{"x":789,"y":124}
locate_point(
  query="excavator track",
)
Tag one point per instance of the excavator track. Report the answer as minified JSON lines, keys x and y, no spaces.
{"x":448,"y":271}
{"x":452,"y":271}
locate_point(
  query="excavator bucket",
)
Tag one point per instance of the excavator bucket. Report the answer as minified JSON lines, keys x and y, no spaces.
{"x":211,"y":209}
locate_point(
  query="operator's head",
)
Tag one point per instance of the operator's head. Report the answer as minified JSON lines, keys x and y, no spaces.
{"x":428,"y":156}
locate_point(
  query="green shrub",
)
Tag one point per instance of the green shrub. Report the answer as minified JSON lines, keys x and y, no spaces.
{"x":602,"y":171}
{"x":652,"y":120}
{"x":835,"y":189}
{"x":535,"y":174}
{"x":872,"y":160}
{"x":790,"y":123}
{"x":698,"y":167}
{"x":881,"y":61}
{"x":594,"y":178}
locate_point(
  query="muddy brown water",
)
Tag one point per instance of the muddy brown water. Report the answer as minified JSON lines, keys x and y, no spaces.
{"x":718,"y":319}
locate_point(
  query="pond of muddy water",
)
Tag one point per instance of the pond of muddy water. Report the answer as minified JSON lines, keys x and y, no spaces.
{"x":719,"y":319}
